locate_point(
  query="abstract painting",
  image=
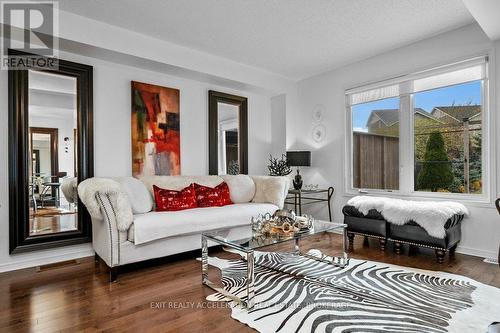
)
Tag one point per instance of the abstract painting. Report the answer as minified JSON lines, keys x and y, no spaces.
{"x":155,"y":130}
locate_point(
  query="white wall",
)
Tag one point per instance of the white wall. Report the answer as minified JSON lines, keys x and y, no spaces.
{"x":112,"y":150}
{"x":481,"y":232}
{"x":278,"y":123}
{"x":65,"y":129}
{"x":43,"y":146}
{"x":112,"y":120}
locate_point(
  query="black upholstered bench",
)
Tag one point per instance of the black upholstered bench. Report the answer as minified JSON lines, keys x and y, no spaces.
{"x":374,"y":225}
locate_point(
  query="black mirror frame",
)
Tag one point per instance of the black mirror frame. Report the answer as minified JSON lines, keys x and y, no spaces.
{"x":215,"y":97}
{"x":20,"y":240}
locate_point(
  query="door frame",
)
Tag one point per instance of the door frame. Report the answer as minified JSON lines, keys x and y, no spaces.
{"x":54,"y":145}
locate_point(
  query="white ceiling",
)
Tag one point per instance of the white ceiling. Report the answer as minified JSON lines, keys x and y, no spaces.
{"x":51,"y":95}
{"x":227,"y":111}
{"x":486,"y":14}
{"x":54,"y":83}
{"x":293,"y":38}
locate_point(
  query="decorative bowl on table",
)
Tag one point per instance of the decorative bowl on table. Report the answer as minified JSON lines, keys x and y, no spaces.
{"x":282,"y":222}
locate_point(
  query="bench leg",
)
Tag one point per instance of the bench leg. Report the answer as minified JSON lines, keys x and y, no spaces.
{"x":350,"y":236}
{"x":382,"y":242}
{"x":452,"y":251}
{"x":365,"y":241}
{"x":440,"y":255}
{"x":397,"y":247}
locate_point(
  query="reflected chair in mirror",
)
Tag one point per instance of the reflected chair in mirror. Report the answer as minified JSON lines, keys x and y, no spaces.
{"x":69,"y":189}
{"x":52,"y":183}
{"x":32,"y":189}
{"x":50,"y":191}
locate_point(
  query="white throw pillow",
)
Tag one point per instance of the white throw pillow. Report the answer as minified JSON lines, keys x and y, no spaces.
{"x":177,"y":183}
{"x":139,"y":196}
{"x":241,"y":187}
{"x":270,"y":189}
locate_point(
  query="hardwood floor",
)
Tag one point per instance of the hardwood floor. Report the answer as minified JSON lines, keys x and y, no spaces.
{"x":40,"y":225}
{"x":79,"y":297}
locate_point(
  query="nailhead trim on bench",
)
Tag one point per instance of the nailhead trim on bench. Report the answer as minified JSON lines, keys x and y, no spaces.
{"x":397,"y":240}
{"x":367,"y":235}
{"x":417,"y":244}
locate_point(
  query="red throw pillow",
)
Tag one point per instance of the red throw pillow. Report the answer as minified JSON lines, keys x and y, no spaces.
{"x":212,"y":196}
{"x":170,"y":200}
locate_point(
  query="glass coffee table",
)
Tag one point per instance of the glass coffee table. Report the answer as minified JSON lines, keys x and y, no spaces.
{"x":245,"y":240}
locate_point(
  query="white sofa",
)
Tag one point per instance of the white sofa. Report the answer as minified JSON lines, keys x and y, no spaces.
{"x":127,"y":229}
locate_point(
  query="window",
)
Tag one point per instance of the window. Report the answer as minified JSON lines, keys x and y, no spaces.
{"x":422,"y":133}
{"x":447,"y":139}
{"x":375,"y":144}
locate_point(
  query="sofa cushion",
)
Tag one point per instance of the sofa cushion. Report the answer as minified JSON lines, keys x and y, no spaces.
{"x":241,"y":187}
{"x":270,"y":189}
{"x":212,"y":196}
{"x":156,"y":225}
{"x":171,"y":200}
{"x":179,"y":182}
{"x":139,"y":196}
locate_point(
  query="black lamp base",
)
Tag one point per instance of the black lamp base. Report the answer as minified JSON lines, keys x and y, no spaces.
{"x":297,"y":181}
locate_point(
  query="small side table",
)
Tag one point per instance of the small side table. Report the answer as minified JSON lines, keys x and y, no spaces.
{"x":297,"y":198}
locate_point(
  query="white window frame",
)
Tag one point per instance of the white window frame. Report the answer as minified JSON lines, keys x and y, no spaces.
{"x":406,"y":139}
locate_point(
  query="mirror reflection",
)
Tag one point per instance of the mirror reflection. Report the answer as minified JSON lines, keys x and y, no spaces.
{"x":228,"y":139}
{"x":52,"y":137}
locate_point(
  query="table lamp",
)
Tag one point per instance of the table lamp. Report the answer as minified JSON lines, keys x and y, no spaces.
{"x":298,"y":159}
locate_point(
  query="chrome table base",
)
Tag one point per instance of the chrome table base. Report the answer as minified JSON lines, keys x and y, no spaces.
{"x":250,"y":286}
{"x":248,"y":255}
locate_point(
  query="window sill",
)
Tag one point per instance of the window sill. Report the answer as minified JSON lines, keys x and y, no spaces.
{"x":481,"y":201}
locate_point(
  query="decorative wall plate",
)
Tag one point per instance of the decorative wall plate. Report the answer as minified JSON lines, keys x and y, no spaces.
{"x":319,"y":133}
{"x":318,"y":113}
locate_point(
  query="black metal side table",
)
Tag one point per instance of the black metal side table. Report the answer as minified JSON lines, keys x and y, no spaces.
{"x":297,"y":198}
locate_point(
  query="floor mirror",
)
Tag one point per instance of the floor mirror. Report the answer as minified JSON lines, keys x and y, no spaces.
{"x":228,"y":133}
{"x":50,"y":152}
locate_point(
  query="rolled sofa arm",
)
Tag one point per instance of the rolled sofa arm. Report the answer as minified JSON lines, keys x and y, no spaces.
{"x":111,"y":214}
{"x":106,"y":238}
{"x":88,"y":191}
{"x":271,"y":189}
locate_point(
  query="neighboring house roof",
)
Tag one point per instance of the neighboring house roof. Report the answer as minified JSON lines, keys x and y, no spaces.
{"x":391,"y":116}
{"x":387,"y":116}
{"x":424,"y":113}
{"x":459,"y":112}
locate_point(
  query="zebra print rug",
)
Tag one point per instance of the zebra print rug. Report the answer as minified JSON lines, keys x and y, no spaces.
{"x":297,"y":294}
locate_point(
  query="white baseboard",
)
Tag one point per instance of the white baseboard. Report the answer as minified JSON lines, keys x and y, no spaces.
{"x":50,"y":259}
{"x":476,"y":252}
